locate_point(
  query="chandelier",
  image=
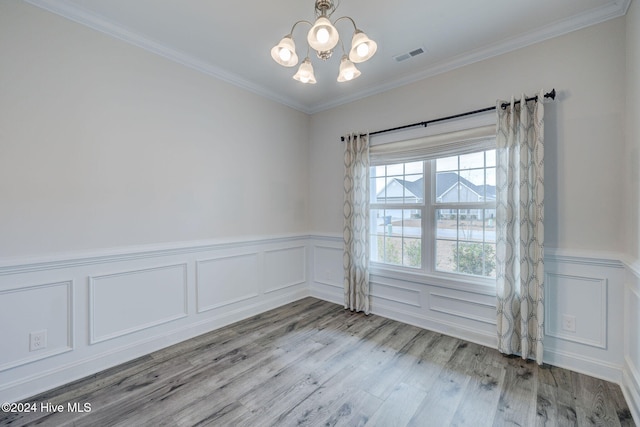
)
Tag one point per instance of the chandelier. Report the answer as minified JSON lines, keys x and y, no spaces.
{"x":323,"y":38}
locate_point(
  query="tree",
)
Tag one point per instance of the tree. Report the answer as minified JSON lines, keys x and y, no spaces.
{"x":413,"y":252}
{"x":471,"y":258}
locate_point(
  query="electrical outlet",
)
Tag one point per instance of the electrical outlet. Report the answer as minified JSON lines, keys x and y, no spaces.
{"x":38,"y":340}
{"x":569,"y":323}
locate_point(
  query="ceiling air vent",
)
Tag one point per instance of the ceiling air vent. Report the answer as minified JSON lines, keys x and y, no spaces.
{"x":408,"y":55}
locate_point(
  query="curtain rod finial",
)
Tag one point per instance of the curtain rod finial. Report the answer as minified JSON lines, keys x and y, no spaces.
{"x":551,"y":94}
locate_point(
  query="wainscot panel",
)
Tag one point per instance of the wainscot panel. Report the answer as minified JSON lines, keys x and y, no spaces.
{"x":36,"y":322}
{"x":226,"y":280}
{"x":580,"y":320}
{"x":284,"y":268}
{"x":584,"y":313}
{"x":100,"y":309}
{"x":126,"y":302}
{"x":325,"y":265}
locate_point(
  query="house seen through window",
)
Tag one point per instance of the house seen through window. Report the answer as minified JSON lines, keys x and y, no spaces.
{"x":437,"y":216}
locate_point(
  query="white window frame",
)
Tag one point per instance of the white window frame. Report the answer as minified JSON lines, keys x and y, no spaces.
{"x":428,"y":273}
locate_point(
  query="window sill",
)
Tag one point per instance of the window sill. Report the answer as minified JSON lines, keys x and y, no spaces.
{"x":470,"y":284}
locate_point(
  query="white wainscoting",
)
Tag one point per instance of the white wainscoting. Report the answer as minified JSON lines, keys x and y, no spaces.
{"x":130,"y":301}
{"x":631,"y":373}
{"x":465,"y":311}
{"x":40,"y":307}
{"x":588,"y":287}
{"x":102,"y":309}
{"x":226,"y":280}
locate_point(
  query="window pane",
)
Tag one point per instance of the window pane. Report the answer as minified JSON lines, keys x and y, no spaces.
{"x":412,"y":253}
{"x":378,"y":171}
{"x":466,"y":241}
{"x":380,"y":186}
{"x":491,"y":158}
{"x":447,"y":187}
{"x":394,"y":190}
{"x":470,"y":228}
{"x":471,"y":259}
{"x":472,"y":185}
{"x":376,"y":230}
{"x":466,"y":257}
{"x":414,"y":168}
{"x":447,"y":224}
{"x":445,"y":258}
{"x":490,"y":225}
{"x":413,"y":187}
{"x":447,"y":164}
{"x":490,"y":260}
{"x":394,"y":183}
{"x":472,"y":161}
{"x":397,"y":169}
{"x":392,"y":253}
{"x":396,"y":236}
{"x":491,"y":184}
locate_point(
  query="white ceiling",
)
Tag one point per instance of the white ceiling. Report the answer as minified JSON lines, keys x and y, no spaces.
{"x":232,"y":40}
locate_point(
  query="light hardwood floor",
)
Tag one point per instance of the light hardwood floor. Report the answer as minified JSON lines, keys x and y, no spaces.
{"x":314,"y":363}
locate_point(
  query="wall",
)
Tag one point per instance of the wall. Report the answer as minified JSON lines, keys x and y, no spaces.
{"x":138,"y":207}
{"x":583,"y":192}
{"x":589,"y":110}
{"x":107,"y":145}
{"x":632,"y":208}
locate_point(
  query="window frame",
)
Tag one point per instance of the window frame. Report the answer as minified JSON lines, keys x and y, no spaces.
{"x":428,"y":209}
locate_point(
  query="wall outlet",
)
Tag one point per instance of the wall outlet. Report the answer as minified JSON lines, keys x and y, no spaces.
{"x":38,"y":340}
{"x":568,"y":323}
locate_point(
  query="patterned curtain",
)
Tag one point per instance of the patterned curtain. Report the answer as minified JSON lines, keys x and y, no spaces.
{"x":356,"y":223}
{"x":520,"y":228}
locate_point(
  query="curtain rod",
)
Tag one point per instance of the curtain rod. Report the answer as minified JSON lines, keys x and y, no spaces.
{"x":551,"y":95}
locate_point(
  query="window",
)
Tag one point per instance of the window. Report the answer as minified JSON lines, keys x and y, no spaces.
{"x":435,"y":215}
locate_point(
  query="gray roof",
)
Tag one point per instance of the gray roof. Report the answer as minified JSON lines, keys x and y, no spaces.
{"x":444,"y":181}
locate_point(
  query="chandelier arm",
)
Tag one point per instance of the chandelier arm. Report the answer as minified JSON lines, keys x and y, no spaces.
{"x":342,"y":44}
{"x":355,"y":28}
{"x":299,"y":22}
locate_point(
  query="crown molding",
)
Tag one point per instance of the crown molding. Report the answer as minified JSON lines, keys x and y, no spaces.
{"x":554,"y":29}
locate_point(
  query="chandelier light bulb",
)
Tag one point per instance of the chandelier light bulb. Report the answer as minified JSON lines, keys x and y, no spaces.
{"x":285,"y":55}
{"x":305,"y":72}
{"x":322,"y":35}
{"x":362,"y":47}
{"x":362,"y":50}
{"x":348,"y":70}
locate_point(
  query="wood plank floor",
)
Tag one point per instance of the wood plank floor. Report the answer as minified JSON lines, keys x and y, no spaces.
{"x":312,"y":363}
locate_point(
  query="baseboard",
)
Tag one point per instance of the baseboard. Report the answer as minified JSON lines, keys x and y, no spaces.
{"x":438,"y":325}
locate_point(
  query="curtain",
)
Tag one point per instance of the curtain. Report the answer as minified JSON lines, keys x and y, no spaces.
{"x":520,"y":228}
{"x":356,"y":223}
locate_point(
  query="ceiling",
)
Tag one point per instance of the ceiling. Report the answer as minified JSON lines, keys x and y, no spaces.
{"x":232,"y":40}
